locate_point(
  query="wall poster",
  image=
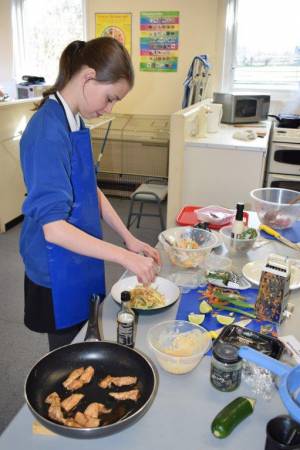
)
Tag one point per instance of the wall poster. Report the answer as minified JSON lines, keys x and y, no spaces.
{"x":159,"y":41}
{"x":116,"y":25}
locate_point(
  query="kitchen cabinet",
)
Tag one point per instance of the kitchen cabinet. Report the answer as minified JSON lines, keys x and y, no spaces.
{"x":14,"y":116}
{"x":137,"y":148}
{"x":221,"y":176}
{"x":216,"y":169}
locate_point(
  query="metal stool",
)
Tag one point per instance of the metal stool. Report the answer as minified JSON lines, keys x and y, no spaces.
{"x":149,"y":192}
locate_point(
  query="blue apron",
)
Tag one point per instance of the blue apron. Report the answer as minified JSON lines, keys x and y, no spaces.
{"x":74,"y":278}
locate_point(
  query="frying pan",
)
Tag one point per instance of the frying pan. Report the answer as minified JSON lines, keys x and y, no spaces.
{"x":107,"y":358}
{"x":289,"y":378}
{"x":287,"y":120}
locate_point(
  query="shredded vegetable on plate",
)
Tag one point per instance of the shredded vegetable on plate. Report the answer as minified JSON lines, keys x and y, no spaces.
{"x":146,"y":298}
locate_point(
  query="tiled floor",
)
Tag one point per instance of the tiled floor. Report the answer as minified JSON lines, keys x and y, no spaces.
{"x":19,"y":347}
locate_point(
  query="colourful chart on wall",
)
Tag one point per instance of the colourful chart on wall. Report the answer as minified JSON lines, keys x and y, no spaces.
{"x":159,"y":41}
{"x":116,"y":25}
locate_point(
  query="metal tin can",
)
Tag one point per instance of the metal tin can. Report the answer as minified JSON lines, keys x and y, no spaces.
{"x":226,"y":367}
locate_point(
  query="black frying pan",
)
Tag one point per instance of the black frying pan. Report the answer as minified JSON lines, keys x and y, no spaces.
{"x":287,"y":120}
{"x":107,"y":358}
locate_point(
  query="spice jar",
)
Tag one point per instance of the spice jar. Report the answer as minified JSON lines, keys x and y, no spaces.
{"x":226,"y":367}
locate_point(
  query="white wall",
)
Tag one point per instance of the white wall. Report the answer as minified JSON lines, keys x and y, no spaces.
{"x":153,"y":93}
{"x":6,"y":48}
{"x":161,"y":93}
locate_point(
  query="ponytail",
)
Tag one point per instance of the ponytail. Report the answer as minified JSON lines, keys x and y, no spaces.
{"x":105,"y":55}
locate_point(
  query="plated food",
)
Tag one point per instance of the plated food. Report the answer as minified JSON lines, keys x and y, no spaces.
{"x":146,"y":298}
{"x":161,"y":294}
{"x":71,"y":410}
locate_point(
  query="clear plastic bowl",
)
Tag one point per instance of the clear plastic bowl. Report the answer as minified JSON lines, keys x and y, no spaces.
{"x":236,"y":246}
{"x":178,"y":345}
{"x":187,"y":258}
{"x":273,"y":208}
{"x":217,"y":215}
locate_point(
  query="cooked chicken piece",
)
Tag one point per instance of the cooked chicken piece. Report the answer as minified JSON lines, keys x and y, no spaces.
{"x":70,"y":402}
{"x":53,"y":399}
{"x":78,"y":378}
{"x":87,"y":375}
{"x":71,"y":423}
{"x":116,"y":381}
{"x":73,"y":376}
{"x":80,"y":418}
{"x":126,"y":395}
{"x":86,"y":422}
{"x":92,"y":423}
{"x":75,"y":385}
{"x":95,"y":409}
{"x":55,"y":413}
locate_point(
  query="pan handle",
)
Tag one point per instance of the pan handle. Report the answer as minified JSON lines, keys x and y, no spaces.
{"x":93,"y":330}
{"x":264,"y":361}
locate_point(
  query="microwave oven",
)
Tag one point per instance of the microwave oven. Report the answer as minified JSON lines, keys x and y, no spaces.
{"x":243,"y":108}
{"x":27,"y":90}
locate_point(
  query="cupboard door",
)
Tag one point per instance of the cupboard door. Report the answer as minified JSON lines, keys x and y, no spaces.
{"x":145,"y":159}
{"x":111,"y":160}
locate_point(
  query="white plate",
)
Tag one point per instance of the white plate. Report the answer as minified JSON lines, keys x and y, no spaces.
{"x":164,"y":287}
{"x":252,"y":272}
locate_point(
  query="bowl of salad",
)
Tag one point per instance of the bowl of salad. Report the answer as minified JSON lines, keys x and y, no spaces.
{"x":238,"y":246}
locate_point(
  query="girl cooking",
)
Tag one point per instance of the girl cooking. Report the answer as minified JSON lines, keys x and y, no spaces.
{"x":61,"y":239}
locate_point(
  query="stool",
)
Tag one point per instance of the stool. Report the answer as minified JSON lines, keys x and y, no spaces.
{"x":149,"y":192}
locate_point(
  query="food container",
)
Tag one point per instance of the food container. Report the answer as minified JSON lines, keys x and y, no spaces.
{"x":177,"y":243}
{"x":178,"y":345}
{"x":236,"y":246}
{"x":217,"y":215}
{"x":217,"y":262}
{"x":273,"y":207}
{"x":238,"y":336}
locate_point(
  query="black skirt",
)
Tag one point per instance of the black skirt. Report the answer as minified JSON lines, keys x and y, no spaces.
{"x":38,"y":311}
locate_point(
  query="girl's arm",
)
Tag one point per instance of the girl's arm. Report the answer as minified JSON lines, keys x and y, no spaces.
{"x":66,"y":235}
{"x":111,"y":217}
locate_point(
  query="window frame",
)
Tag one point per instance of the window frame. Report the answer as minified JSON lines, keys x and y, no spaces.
{"x":19,"y":52}
{"x":229,"y":59}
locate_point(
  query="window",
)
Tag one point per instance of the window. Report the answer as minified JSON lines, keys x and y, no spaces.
{"x":264,"y":47}
{"x":41,"y":30}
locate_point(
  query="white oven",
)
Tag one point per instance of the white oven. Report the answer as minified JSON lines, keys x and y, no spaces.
{"x":283,"y":166}
{"x":284,"y":158}
{"x":283,"y":181}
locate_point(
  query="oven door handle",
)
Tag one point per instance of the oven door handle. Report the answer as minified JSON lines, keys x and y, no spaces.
{"x":276,"y":177}
{"x":280,"y":146}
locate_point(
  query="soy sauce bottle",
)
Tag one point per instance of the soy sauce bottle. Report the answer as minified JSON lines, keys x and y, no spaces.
{"x":126,"y":322}
{"x":238,"y":224}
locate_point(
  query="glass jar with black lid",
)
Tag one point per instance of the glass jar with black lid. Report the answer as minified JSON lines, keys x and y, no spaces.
{"x":226,"y":367}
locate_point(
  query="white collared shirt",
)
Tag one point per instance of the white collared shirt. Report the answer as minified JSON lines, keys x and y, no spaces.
{"x":74,"y":121}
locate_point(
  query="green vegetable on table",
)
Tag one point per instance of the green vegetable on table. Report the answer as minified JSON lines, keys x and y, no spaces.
{"x":237,"y":310}
{"x":250,"y":233}
{"x":230,"y":416}
{"x":222,"y":276}
{"x":234,"y":299}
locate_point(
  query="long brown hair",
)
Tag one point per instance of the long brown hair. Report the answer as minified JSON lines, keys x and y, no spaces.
{"x":105,"y":55}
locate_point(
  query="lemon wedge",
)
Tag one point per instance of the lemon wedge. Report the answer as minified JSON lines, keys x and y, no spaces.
{"x":205,"y":307}
{"x":196,"y":318}
{"x":224,"y":320}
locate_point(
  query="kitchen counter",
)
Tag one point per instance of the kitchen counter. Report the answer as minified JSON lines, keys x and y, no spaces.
{"x":185,"y":405}
{"x":224,"y":138}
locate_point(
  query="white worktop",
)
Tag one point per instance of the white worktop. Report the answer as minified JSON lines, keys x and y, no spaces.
{"x":223,"y":138}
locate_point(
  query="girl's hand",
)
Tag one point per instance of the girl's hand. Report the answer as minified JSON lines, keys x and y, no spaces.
{"x":137,"y":246}
{"x":144,"y":267}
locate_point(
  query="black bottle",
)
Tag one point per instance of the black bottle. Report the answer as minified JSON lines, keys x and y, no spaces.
{"x":126,"y":322}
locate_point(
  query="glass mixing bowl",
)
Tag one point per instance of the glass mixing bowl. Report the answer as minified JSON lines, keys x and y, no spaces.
{"x":187,"y":247}
{"x":273,"y":207}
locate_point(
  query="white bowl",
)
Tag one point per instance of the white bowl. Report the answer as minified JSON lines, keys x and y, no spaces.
{"x":236,"y":246}
{"x":178,"y":345}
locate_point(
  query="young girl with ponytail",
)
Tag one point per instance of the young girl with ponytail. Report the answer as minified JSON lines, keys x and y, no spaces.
{"x":61,"y":239}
